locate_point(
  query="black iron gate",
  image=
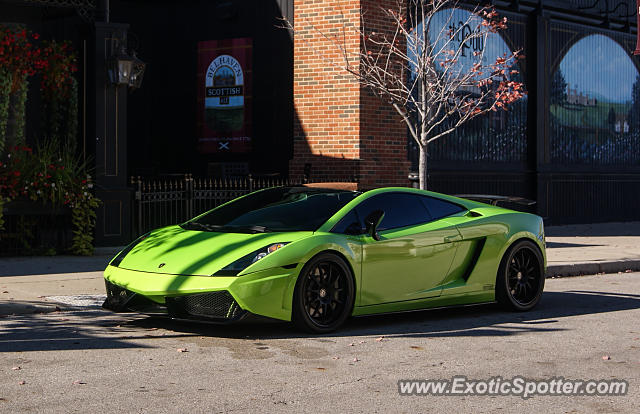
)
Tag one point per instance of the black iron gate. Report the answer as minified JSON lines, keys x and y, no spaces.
{"x":171,"y":200}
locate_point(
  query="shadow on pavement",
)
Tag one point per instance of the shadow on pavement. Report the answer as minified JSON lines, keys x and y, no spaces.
{"x":54,"y":331}
{"x":95,"y":329}
{"x":478,"y":320}
{"x":557,"y":245}
{"x":39,"y":265}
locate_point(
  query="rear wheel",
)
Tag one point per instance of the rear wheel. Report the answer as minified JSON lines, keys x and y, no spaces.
{"x":324,"y":294}
{"x":520,"y":279}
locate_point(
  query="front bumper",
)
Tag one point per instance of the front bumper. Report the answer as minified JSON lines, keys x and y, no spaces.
{"x":225,"y":299}
{"x":219,"y":306}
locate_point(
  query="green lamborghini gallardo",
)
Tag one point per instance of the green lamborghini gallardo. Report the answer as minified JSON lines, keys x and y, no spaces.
{"x":316,"y":256}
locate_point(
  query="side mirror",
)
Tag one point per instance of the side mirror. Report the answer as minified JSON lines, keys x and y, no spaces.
{"x":372,"y":221}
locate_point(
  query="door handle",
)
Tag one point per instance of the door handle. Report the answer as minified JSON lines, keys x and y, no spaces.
{"x":450,"y":239}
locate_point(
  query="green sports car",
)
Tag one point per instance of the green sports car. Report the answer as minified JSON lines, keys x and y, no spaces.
{"x":317,"y":256}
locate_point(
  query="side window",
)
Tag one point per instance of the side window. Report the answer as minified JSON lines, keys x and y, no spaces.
{"x":350,"y":224}
{"x":439,"y":208}
{"x":400,"y":210}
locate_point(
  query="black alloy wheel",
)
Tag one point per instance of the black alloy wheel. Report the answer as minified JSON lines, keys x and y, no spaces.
{"x":324,"y":293}
{"x":520,"y":280}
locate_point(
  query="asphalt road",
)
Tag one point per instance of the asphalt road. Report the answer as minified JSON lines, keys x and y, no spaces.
{"x":88,"y":360}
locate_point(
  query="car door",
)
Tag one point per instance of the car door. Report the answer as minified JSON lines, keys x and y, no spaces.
{"x":413,"y":255}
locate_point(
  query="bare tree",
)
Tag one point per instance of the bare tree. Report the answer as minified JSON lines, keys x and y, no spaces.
{"x":431,"y":65}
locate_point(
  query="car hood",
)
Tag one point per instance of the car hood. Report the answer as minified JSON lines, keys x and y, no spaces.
{"x":174,"y":250}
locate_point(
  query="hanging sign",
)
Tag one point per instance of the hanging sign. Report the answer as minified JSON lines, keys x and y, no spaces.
{"x":224,"y":96}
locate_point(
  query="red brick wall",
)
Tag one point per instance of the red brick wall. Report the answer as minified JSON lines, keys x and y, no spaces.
{"x":341,"y":129}
{"x":383,"y":134}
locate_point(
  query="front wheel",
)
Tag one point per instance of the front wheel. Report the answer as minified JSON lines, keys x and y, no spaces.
{"x":520,"y":279}
{"x":324,"y":294}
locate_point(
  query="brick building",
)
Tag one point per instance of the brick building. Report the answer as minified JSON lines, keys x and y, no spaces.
{"x":341,"y":130}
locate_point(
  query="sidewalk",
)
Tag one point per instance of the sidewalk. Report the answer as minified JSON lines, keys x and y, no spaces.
{"x":29,"y":284}
{"x":588,"y":249}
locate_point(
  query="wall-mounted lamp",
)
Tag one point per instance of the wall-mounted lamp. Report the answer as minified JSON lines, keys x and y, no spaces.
{"x":137,"y":72}
{"x":124,"y":68}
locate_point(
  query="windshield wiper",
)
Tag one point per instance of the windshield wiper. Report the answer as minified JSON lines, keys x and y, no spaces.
{"x":226,"y":229}
{"x":193,"y":225}
{"x":240,"y":229}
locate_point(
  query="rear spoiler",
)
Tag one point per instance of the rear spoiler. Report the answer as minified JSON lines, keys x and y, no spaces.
{"x":495,"y":199}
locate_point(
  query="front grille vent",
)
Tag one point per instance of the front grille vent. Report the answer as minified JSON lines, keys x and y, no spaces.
{"x":208,"y":305}
{"x":117,"y":297}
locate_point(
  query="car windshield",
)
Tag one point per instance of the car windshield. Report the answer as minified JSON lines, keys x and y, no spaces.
{"x":275,"y":209}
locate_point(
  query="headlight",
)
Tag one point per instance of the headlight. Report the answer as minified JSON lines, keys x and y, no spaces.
{"x":242,"y":263}
{"x":118,"y":259}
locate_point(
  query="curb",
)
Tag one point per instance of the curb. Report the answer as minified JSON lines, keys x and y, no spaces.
{"x":107,"y":251}
{"x":590,"y":268}
{"x":16,"y":309}
{"x":8,"y":309}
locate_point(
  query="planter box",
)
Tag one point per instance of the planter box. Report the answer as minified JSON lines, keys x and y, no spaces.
{"x":33,"y":208}
{"x":34,"y":228}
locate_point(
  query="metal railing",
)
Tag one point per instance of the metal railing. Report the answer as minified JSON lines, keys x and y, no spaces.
{"x":165,"y":201}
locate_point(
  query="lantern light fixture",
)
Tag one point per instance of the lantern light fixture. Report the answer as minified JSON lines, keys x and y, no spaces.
{"x":137,"y":72}
{"x":124,"y":68}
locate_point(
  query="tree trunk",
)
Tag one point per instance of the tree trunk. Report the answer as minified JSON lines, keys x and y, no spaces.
{"x":422,"y":166}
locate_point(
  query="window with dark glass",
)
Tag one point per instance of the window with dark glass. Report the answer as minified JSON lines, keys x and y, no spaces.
{"x":275,"y":209}
{"x":350,"y":224}
{"x":439,"y":208}
{"x":400,"y":210}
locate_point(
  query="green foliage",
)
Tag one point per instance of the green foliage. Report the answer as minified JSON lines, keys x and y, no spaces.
{"x":22,"y":57}
{"x":20,"y":112}
{"x":588,"y":116}
{"x":558,"y":94}
{"x":55,"y":175}
{"x":59,"y":92}
{"x":71,"y":132}
{"x":83,"y":217}
{"x":17,"y":112}
{"x":5,"y":89}
{"x":1,"y":212}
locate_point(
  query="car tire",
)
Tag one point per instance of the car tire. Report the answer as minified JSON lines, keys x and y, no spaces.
{"x":324,"y":294}
{"x":520,"y":279}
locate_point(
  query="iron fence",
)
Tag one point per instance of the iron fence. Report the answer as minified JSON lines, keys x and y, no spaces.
{"x":170,"y":200}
